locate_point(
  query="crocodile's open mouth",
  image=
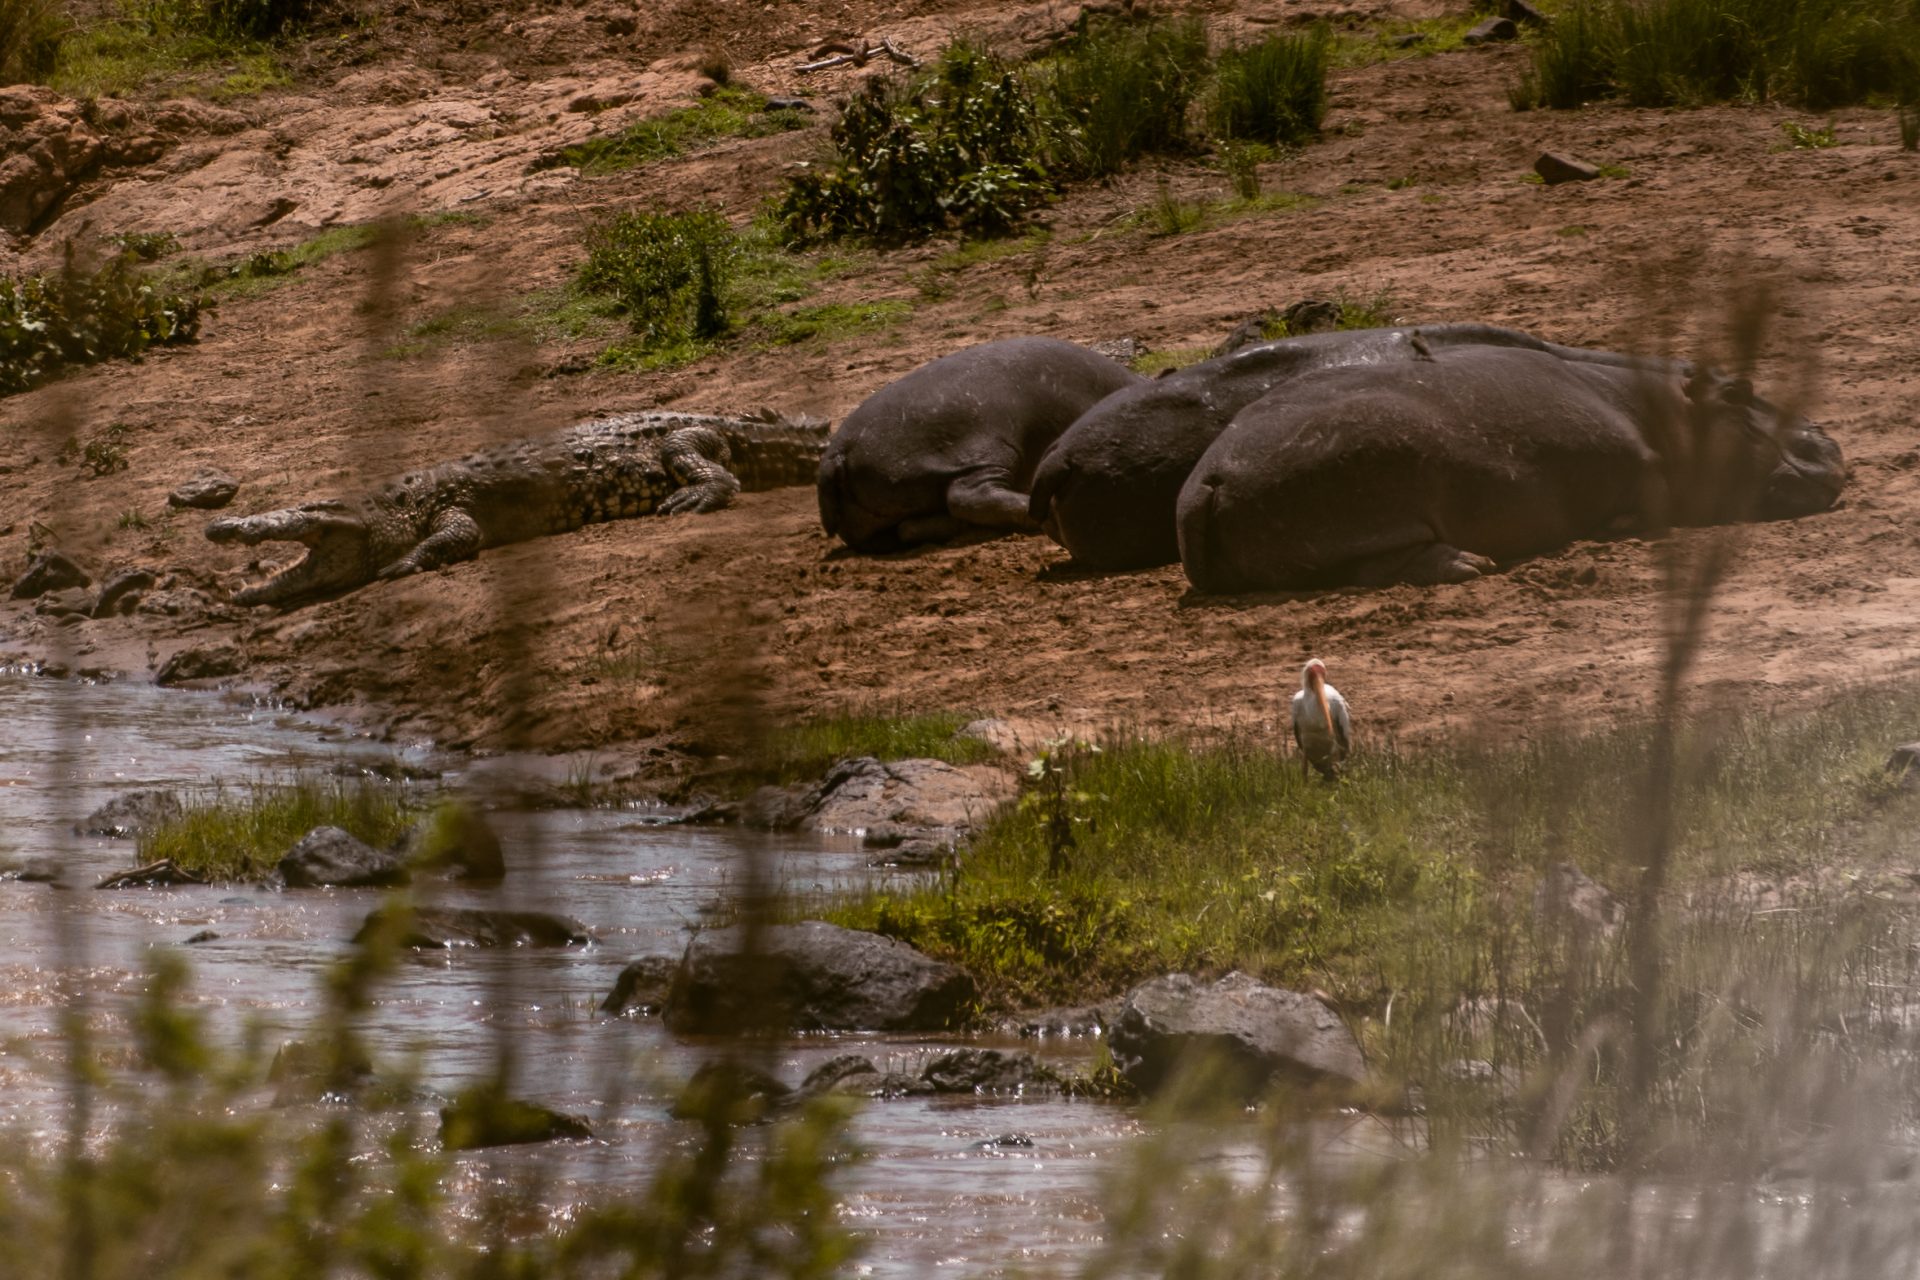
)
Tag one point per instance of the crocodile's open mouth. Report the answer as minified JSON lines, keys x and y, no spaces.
{"x":336,"y":542}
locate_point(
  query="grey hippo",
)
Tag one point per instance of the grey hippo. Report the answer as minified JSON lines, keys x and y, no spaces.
{"x":1106,"y":490}
{"x":953,"y":444}
{"x":1437,"y":471}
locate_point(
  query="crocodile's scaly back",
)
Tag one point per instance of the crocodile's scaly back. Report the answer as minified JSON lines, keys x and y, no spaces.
{"x":609,"y":468}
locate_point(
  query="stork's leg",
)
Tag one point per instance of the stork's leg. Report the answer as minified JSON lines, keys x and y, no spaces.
{"x":697,"y":458}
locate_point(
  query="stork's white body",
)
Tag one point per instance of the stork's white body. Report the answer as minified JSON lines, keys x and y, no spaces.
{"x":1321,"y":726}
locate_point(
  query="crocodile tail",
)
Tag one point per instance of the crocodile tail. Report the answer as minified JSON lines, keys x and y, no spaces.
{"x":778,"y":454}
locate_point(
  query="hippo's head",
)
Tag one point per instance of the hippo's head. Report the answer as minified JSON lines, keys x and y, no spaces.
{"x":1796,"y":469}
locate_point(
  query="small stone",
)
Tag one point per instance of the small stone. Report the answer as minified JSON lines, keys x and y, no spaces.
{"x":49,"y":571}
{"x":1408,"y":39}
{"x":206,"y":490}
{"x":789,"y":104}
{"x":1491,"y":30}
{"x":66,"y":602}
{"x":1523,"y":11}
{"x":200,"y":662}
{"x":998,"y":734}
{"x":1556,"y":169}
{"x":1902,"y":764}
{"x":205,"y":935}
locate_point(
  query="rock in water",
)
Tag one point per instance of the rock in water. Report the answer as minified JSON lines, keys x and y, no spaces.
{"x":1256,"y":1035}
{"x":330,"y":856}
{"x":813,"y":977}
{"x":438,"y":927}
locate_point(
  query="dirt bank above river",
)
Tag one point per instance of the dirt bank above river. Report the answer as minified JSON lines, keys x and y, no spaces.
{"x":632,"y":631}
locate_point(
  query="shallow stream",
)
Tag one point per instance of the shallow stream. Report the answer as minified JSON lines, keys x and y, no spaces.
{"x":928,"y":1195}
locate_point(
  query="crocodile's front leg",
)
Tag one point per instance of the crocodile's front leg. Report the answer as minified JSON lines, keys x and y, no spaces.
{"x":697,"y":458}
{"x":453,"y":536}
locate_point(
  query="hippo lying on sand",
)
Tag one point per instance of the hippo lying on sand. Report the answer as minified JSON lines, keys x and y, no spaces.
{"x":1106,"y":490}
{"x":1433,"y":472}
{"x":954,"y":443}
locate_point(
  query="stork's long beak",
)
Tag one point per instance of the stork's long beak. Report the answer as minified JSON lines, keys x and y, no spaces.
{"x":1326,"y":712}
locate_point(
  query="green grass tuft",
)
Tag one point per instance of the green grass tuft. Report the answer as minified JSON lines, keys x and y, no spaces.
{"x":241,"y":836}
{"x":1212,"y":857}
{"x":724,"y":113}
{"x":1274,"y":92}
{"x":802,"y":752}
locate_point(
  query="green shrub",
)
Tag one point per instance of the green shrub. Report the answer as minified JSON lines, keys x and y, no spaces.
{"x":1273,"y":92}
{"x":668,"y":273}
{"x":30,"y":35}
{"x":81,"y":317}
{"x":961,"y":149}
{"x":1816,"y":53}
{"x":1118,"y":92}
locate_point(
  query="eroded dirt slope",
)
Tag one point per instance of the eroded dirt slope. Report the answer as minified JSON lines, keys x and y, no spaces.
{"x":625,"y":631}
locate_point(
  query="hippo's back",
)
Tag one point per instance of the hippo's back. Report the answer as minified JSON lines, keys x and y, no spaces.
{"x":994,"y":407}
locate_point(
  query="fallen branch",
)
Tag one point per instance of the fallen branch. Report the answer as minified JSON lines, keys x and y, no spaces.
{"x":860,"y":56}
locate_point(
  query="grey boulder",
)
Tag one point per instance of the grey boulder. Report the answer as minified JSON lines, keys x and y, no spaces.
{"x":329,"y":856}
{"x":207,"y":490}
{"x":426,"y":928}
{"x":1255,"y":1035}
{"x":812,"y":976}
{"x":866,"y":794}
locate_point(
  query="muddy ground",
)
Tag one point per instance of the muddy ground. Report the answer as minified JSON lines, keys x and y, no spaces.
{"x":629,"y":632}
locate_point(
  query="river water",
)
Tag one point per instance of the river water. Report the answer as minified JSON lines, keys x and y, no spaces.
{"x":927,"y":1195}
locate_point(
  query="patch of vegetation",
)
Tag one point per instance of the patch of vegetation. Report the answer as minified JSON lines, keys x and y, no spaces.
{"x":1213,"y":857}
{"x":1119,"y":91}
{"x":219,"y":48}
{"x":667,"y":273}
{"x":1800,"y":135}
{"x":961,"y":149}
{"x":30,"y":36}
{"x":832,"y":321}
{"x":744,"y":285}
{"x":103,"y":455}
{"x":81,"y":316}
{"x":802,"y":752}
{"x":1154,"y":363}
{"x":242,"y":837}
{"x":724,"y":113}
{"x":1273,"y":92}
{"x":1405,"y":39}
{"x":1169,"y":215}
{"x":147,"y":246}
{"x":1656,"y":53}
{"x":1241,"y":162}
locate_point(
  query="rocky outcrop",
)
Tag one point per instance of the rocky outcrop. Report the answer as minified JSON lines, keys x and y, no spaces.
{"x":813,"y":977}
{"x":329,"y":856}
{"x":49,"y":570}
{"x":1253,"y":1035}
{"x":890,"y":800}
{"x":424,"y":928}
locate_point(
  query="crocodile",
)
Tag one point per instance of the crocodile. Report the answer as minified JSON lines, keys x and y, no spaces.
{"x":610,"y":468}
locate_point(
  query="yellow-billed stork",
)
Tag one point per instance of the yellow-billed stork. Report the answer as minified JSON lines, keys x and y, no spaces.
{"x":1320,"y":722}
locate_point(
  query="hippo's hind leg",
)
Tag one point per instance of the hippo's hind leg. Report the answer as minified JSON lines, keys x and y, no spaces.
{"x":986,"y":498}
{"x":697,"y":458}
{"x":1426,"y":565}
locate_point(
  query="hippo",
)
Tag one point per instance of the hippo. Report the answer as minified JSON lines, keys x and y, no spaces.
{"x":1437,"y":471}
{"x":1106,"y":490}
{"x":953,"y":444}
